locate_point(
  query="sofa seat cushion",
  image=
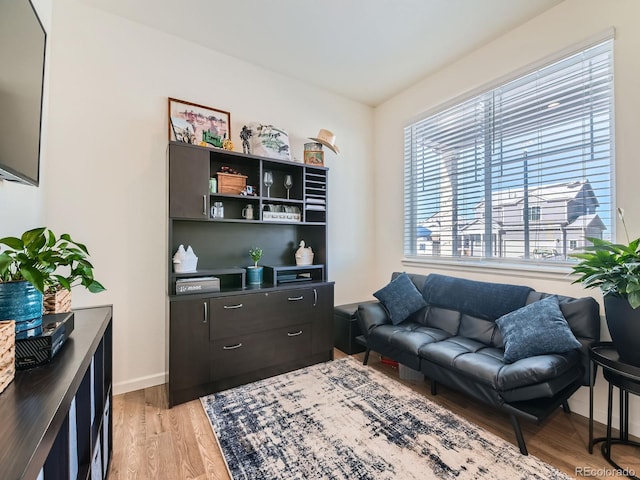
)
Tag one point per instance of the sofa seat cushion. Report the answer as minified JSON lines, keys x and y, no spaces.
{"x":407,"y":336}
{"x":486,"y":364}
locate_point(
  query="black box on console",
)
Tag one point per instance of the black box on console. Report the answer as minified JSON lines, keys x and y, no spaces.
{"x":40,"y":349}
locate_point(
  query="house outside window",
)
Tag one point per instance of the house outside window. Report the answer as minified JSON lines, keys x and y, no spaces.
{"x":523,"y":171}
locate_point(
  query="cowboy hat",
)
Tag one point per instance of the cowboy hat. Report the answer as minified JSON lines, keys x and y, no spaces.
{"x":328,"y":139}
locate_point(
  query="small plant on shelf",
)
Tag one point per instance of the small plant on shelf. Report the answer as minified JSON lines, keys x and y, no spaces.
{"x":256,"y":254}
{"x":254,"y":273}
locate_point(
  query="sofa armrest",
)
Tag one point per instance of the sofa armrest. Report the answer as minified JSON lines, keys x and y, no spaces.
{"x":370,"y":315}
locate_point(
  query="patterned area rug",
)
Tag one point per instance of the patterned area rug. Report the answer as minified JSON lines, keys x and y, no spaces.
{"x":340,"y":420}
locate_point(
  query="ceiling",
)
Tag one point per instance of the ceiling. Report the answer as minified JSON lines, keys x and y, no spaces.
{"x":365,"y":50}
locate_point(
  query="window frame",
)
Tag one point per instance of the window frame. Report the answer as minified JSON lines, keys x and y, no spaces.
{"x":509,"y":265}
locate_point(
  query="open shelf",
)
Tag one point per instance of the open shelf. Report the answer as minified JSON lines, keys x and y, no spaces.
{"x":230,"y":278}
{"x":284,"y":274}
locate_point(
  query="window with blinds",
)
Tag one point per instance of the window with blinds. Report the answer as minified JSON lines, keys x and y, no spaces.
{"x":521,"y":172}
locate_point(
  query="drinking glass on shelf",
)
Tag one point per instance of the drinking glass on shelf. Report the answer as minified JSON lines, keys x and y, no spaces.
{"x":268,"y":181}
{"x":288,"y":183}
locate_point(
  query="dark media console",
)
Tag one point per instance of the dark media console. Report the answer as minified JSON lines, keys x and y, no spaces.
{"x":56,"y":418}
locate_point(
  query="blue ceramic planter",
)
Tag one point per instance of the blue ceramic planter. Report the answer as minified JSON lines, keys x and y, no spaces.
{"x":20,"y":301}
{"x":254,"y":275}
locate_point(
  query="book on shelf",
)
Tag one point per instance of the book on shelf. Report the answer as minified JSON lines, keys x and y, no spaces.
{"x":320,"y":208}
{"x":195,"y":279}
{"x":197,"y":285}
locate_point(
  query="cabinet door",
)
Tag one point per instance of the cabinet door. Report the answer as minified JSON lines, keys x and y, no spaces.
{"x":322,"y":318}
{"x":189,"y":350}
{"x":188,"y":182}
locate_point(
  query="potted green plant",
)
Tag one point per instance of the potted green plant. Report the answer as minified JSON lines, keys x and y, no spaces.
{"x":615,"y":270}
{"x":254,"y":273}
{"x":36,"y":264}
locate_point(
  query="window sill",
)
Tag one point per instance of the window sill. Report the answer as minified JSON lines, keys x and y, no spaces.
{"x":558,"y":272}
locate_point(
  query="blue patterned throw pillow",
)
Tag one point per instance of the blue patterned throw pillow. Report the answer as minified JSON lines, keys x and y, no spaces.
{"x":401,"y":298}
{"x":536,"y":329}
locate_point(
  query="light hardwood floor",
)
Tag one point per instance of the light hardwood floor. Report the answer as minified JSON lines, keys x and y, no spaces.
{"x":153,"y":442}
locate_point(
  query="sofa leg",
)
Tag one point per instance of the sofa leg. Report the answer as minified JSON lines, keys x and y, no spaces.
{"x":519,"y":437}
{"x":434,"y":387}
{"x":366,"y":356}
{"x":565,"y":407}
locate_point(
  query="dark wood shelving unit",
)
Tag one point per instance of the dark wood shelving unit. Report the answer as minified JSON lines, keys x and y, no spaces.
{"x":267,"y":314}
{"x":57,"y":418}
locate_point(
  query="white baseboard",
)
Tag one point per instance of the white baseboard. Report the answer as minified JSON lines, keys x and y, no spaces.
{"x":140,"y":383}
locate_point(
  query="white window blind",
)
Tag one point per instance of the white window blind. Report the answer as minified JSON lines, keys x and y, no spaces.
{"x":523,"y":171}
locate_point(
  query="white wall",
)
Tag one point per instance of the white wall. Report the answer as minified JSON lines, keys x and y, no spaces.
{"x":106,"y":180}
{"x":569,"y":23}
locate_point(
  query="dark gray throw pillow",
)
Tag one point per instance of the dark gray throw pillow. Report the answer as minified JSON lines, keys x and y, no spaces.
{"x":536,"y":329}
{"x":401,"y":298}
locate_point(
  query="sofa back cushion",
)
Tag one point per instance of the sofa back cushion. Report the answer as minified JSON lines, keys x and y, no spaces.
{"x":417,"y":279}
{"x":442,"y":318}
{"x":480,"y":299}
{"x":478,"y":329}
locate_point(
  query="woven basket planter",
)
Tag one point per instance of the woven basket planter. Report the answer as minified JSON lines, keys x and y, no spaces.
{"x":7,"y":353}
{"x":58,"y":302}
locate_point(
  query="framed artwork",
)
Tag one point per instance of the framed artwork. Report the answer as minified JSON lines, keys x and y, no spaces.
{"x":197,"y":124}
{"x":314,"y":157}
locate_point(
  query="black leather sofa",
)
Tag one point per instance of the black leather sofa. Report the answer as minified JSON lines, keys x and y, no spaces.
{"x":454,"y":340}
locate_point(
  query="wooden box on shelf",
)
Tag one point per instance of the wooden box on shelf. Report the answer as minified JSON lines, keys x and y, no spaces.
{"x":7,"y":353}
{"x":231,"y":183}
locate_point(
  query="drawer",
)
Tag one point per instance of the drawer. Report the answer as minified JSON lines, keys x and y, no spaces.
{"x":256,"y":312}
{"x":247,"y":353}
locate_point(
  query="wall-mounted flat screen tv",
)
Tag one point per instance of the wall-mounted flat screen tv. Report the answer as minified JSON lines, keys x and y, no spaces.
{"x":22,"y":53}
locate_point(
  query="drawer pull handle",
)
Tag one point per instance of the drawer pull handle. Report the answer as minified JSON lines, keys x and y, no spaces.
{"x":232,"y":347}
{"x":294,"y":334}
{"x":231,"y":307}
{"x":295,"y":299}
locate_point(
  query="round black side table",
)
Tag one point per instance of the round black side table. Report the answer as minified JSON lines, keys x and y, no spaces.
{"x":618,"y":374}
